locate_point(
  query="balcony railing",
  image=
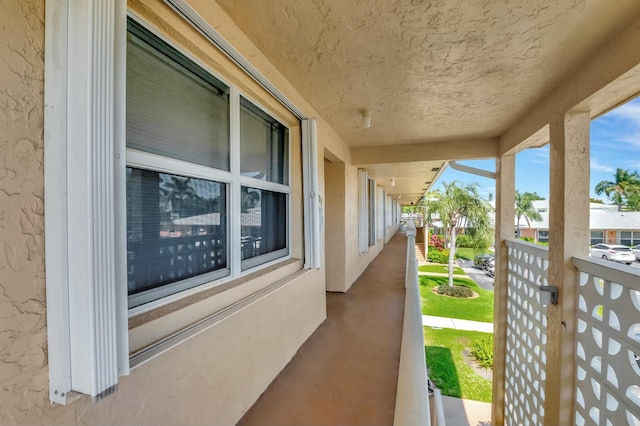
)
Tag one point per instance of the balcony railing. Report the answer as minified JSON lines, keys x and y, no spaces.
{"x":412,"y":396}
{"x":608,"y":344}
{"x":607,"y":340}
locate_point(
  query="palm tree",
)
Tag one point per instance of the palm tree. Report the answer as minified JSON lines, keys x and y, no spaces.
{"x":524,"y":208}
{"x":626,"y":184}
{"x":457,"y":206}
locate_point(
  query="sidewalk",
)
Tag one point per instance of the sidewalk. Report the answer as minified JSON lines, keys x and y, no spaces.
{"x":457,"y":324}
{"x":462,"y":412}
{"x":465,"y":412}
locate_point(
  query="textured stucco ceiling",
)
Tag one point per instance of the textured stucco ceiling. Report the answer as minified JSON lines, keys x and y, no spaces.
{"x":427,"y":70}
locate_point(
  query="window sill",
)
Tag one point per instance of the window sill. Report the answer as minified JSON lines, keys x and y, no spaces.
{"x":159,"y":325}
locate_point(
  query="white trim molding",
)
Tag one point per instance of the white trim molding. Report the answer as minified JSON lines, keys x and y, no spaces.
{"x":312,"y":202}
{"x":363,"y":211}
{"x":84,"y":117}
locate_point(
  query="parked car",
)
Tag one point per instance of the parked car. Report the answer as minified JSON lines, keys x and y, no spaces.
{"x":636,"y":251}
{"x":481,"y":260}
{"x":491,"y":267}
{"x":615,"y":252}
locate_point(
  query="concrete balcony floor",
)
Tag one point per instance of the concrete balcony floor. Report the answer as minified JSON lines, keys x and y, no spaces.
{"x":347,"y":372}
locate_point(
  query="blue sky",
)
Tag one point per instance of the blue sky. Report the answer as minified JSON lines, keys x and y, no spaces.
{"x":615,"y":142}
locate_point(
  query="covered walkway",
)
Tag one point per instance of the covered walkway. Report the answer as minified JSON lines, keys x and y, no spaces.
{"x":347,"y":372}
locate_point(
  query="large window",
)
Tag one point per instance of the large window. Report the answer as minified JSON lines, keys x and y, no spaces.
{"x":181,"y":175}
{"x":543,"y":236}
{"x":597,"y":237}
{"x":629,"y":238}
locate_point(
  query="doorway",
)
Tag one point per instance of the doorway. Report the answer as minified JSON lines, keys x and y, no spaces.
{"x":334,"y":227}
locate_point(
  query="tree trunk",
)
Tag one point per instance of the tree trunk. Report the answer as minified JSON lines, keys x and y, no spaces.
{"x":452,"y":254}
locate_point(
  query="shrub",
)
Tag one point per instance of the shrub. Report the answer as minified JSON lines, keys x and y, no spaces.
{"x":438,"y":256}
{"x":483,"y":351}
{"x":528,"y":239}
{"x":464,"y":241}
{"x":459,"y":291}
{"x":436,"y":241}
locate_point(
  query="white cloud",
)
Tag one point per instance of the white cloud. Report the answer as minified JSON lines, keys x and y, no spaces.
{"x":600,"y":167}
{"x":628,"y":112}
{"x":539,"y":155}
{"x":631,"y":139}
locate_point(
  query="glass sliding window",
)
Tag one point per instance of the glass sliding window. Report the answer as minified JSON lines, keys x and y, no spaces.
{"x":174,"y":108}
{"x":629,"y":238}
{"x":597,"y":237}
{"x":264,"y":145}
{"x":264,"y":228}
{"x":176,"y":229}
{"x":176,"y":224}
{"x":543,"y":236}
{"x":625,"y":238}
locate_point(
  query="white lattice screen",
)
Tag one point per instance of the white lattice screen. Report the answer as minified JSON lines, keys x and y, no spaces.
{"x":608,"y":345}
{"x":526,"y":335}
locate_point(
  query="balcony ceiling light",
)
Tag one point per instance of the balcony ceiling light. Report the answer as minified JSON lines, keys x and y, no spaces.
{"x":366,"y":118}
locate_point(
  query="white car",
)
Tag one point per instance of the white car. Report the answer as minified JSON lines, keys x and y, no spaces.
{"x":491,"y":267}
{"x":618,"y":253}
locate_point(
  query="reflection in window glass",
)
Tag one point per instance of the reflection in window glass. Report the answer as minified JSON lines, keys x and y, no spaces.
{"x":263,"y":145}
{"x":176,"y":228}
{"x":263,"y":222}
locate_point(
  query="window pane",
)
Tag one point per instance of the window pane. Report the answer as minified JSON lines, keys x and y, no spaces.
{"x":597,"y":237}
{"x":174,"y":108}
{"x":176,"y":228}
{"x":264,"y":147}
{"x":264,"y":222}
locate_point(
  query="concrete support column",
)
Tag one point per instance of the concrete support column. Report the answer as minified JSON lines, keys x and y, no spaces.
{"x":568,"y":236}
{"x":505,"y":213}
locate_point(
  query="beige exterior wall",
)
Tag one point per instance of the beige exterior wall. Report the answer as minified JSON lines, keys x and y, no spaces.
{"x":213,"y":377}
{"x":23,"y":355}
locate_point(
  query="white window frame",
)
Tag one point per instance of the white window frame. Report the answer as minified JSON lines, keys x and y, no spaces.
{"x":167,"y":293}
{"x":278,"y":255}
{"x":85,"y":162}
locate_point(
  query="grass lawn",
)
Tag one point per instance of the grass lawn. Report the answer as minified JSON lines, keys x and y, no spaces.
{"x":443,"y":269}
{"x":478,"y":309}
{"x":469,"y":253}
{"x":448,"y":368}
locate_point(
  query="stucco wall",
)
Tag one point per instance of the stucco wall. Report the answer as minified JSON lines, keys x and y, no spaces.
{"x":213,"y":377}
{"x":23,"y":355}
